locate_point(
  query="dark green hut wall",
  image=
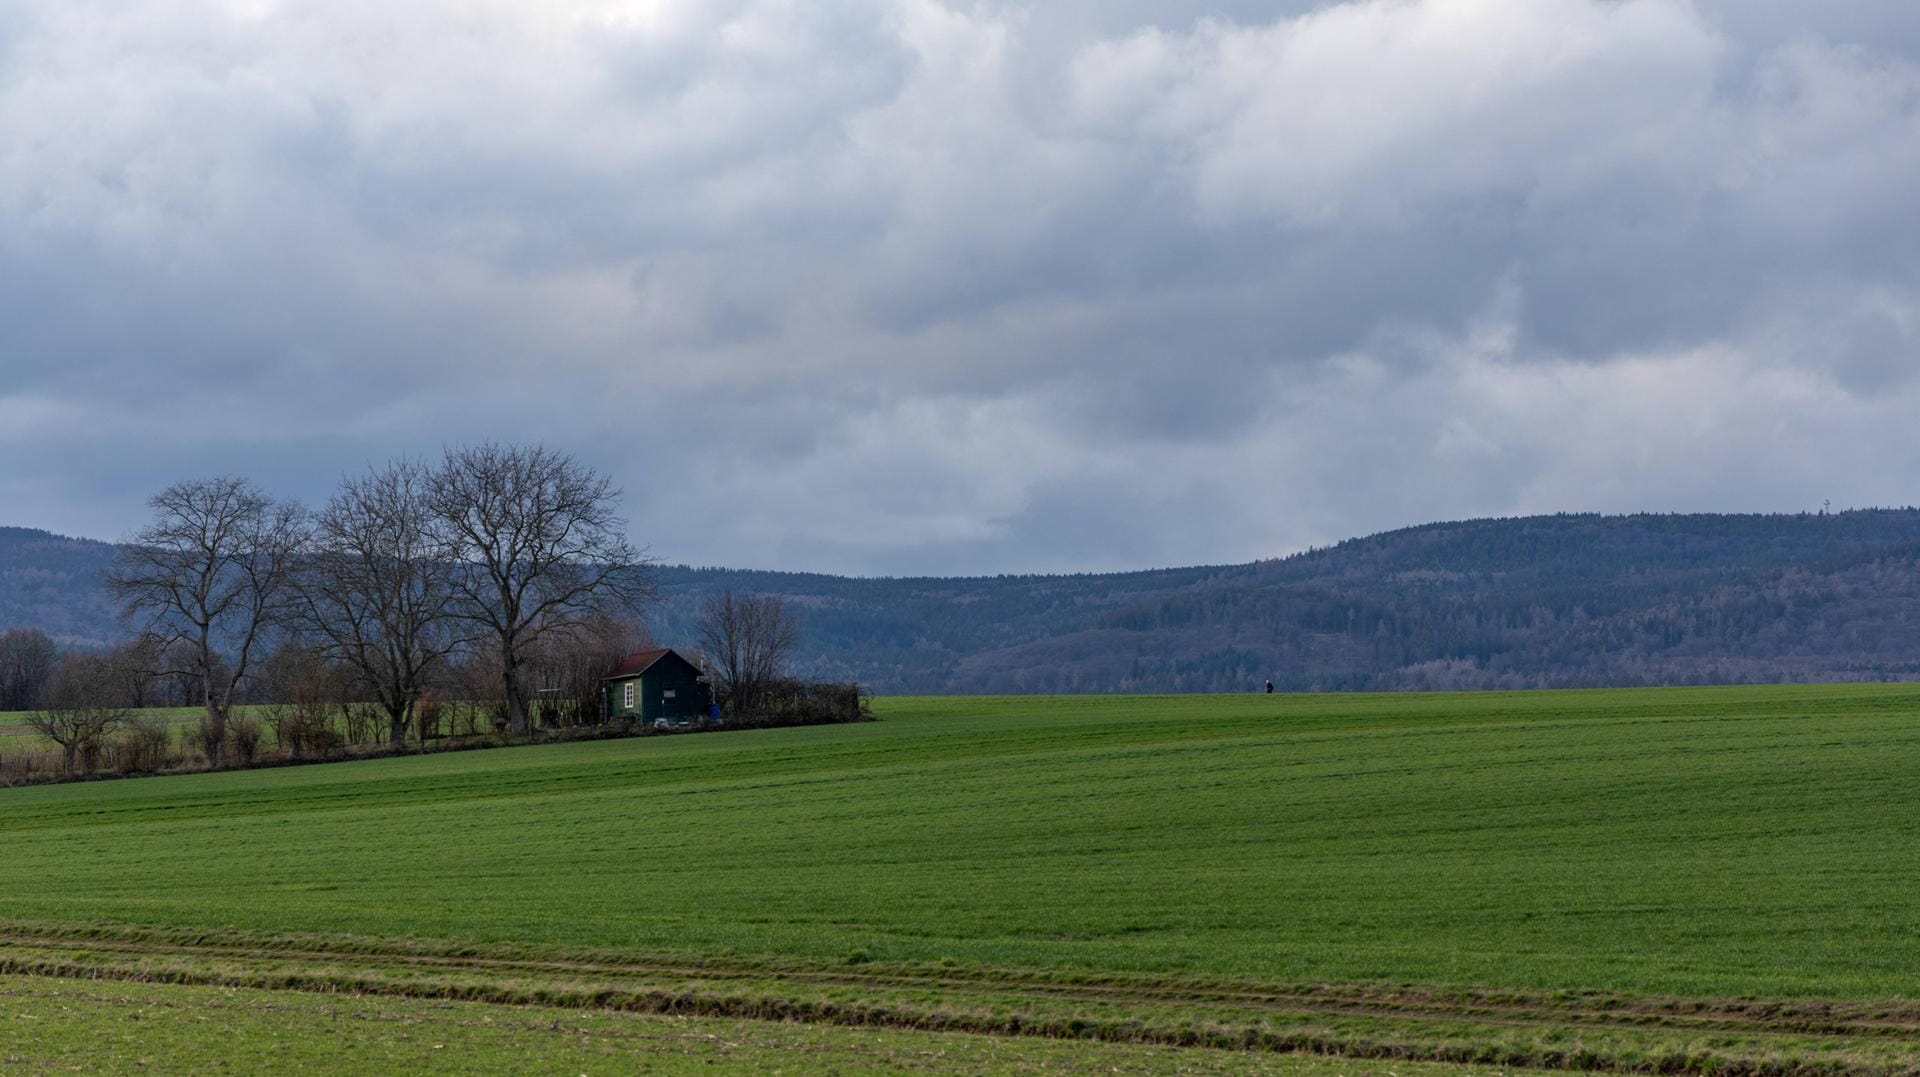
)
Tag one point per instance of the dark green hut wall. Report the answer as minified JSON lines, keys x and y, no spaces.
{"x":669,"y":674}
{"x":616,"y":698}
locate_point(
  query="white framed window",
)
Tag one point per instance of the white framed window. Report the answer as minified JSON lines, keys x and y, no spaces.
{"x":629,"y":696}
{"x":668,"y":694}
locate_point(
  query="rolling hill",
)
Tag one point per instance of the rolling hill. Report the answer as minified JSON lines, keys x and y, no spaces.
{"x":1544,"y":601}
{"x":52,"y":582}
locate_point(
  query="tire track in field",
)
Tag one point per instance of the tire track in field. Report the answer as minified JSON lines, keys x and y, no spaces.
{"x":1124,"y":993}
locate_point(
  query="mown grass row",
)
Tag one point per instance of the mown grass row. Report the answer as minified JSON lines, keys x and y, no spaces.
{"x":1898,"y":1018}
{"x":1540,"y":1033}
{"x":70,"y":1026}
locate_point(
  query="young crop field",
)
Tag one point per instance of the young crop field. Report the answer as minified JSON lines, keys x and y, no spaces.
{"x":1675,"y":880}
{"x":68,"y":1026}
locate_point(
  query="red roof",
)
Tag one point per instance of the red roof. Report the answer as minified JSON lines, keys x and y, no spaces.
{"x":635,"y":664}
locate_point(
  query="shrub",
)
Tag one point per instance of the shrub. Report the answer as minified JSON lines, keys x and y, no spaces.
{"x":25,"y":765}
{"x":303,"y":729}
{"x":142,"y":747}
{"x":205,"y":740}
{"x":426,"y":716}
{"x":361,"y":724}
{"x":85,"y":704}
{"x":244,"y":730}
{"x":324,"y":740}
{"x":787,"y":702}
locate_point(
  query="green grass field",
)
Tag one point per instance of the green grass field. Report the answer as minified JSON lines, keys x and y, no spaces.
{"x":52,"y":1025}
{"x":1678,"y":879}
{"x":17,"y":735}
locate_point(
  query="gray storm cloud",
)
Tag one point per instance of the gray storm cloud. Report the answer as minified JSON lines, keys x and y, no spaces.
{"x":911,"y":287}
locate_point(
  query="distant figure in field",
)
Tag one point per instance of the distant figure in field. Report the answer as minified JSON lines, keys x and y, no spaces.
{"x":1269,"y":687}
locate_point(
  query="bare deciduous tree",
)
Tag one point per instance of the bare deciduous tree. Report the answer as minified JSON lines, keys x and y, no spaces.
{"x":379,"y":588}
{"x":566,"y":666}
{"x":306,"y":690}
{"x":85,"y":703}
{"x":138,"y":663}
{"x":212,"y":573}
{"x":746,"y":642}
{"x":540,"y":546}
{"x":27,"y":661}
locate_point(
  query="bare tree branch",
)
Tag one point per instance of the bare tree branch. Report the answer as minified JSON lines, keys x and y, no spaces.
{"x":540,"y":546}
{"x":212,"y":572}
{"x":85,"y":703}
{"x":746,"y":643}
{"x":378,"y":589}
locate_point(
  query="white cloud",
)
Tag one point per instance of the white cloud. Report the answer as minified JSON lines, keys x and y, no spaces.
{"x":1381,"y":109}
{"x":911,"y":286}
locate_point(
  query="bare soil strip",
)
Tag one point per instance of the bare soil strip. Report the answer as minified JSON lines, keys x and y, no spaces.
{"x":1588,"y":1031}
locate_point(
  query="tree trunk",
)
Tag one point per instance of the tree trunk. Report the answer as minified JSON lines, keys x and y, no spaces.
{"x":516,"y":710}
{"x":216,"y":733}
{"x":216,"y":707}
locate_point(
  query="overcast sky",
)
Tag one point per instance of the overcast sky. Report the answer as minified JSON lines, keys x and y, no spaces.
{"x":923,"y":288}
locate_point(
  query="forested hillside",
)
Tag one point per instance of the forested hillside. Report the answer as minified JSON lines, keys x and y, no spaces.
{"x":1535,"y":601}
{"x":53,"y":583}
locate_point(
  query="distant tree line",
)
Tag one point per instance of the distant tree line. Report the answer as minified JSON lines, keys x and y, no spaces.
{"x":27,"y":661}
{"x":407,"y":569}
{"x":485,"y":593}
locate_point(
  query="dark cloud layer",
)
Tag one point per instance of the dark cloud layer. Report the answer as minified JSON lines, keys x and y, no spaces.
{"x":912,"y":287}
